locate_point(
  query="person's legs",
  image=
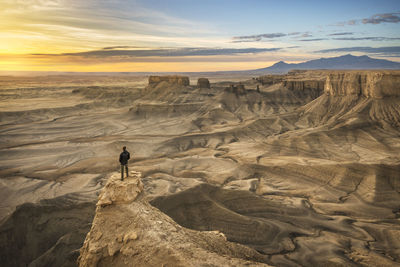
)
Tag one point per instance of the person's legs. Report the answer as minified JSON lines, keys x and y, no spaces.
{"x":122,"y":172}
{"x":126,"y":169}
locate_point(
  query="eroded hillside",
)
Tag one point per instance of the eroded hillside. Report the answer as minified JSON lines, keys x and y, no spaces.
{"x":302,"y":168}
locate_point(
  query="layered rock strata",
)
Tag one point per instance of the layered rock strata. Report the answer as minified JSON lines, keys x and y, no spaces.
{"x":304,"y":85}
{"x":373,"y":84}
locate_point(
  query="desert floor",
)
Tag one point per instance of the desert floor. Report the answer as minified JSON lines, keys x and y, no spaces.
{"x":306,"y":179}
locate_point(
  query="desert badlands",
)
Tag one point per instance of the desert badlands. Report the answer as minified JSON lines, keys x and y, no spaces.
{"x":301,"y":169}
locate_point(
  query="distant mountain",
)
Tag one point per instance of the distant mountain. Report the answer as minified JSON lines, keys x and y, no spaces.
{"x":342,"y":62}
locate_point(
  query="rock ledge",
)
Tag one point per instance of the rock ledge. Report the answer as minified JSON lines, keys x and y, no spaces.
{"x":128,"y":231}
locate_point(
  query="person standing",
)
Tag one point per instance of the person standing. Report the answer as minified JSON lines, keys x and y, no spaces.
{"x":123,"y":159}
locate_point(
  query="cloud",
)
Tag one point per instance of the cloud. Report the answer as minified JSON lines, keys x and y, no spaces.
{"x":344,"y":23}
{"x":341,"y":33}
{"x":166,"y":52}
{"x":375,"y":19}
{"x":247,"y":40}
{"x":352,"y":22}
{"x":73,"y":25}
{"x":374,"y":38}
{"x":312,"y":40}
{"x":392,"y":51}
{"x":382,"y":18}
{"x":269,"y":36}
{"x":120,"y":47}
{"x":306,"y":34}
{"x":258,"y":37}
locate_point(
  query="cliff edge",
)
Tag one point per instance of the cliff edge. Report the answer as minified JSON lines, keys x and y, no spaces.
{"x":374,"y":84}
{"x":128,"y":231}
{"x":370,"y":97}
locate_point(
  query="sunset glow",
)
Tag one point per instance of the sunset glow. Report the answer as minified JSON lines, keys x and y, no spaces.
{"x":92,"y":36}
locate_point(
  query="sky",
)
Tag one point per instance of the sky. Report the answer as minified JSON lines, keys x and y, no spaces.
{"x":190,"y":35}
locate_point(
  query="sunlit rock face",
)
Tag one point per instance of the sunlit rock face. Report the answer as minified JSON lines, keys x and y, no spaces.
{"x":374,"y":84}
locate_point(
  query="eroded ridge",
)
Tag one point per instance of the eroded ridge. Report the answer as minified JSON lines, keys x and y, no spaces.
{"x":128,"y":231}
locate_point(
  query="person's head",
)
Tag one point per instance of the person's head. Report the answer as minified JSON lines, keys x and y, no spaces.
{"x":124,"y":148}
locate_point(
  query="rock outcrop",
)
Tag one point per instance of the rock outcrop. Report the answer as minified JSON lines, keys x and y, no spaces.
{"x":173,"y":79}
{"x":270,"y":79}
{"x":301,"y":85}
{"x":128,"y":231}
{"x":236,"y":89}
{"x":374,"y":84}
{"x":305,"y":87}
{"x":203,"y":83}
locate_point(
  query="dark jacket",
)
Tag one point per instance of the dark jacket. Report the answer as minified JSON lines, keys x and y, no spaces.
{"x":124,"y":157}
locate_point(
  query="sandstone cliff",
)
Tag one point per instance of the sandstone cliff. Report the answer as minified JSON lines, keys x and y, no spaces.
{"x":302,"y":85}
{"x":128,"y":231}
{"x":349,"y":96}
{"x":374,"y":84}
{"x":173,"y":79}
